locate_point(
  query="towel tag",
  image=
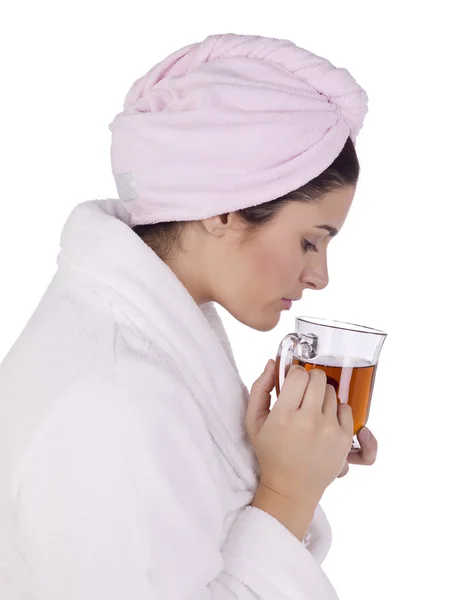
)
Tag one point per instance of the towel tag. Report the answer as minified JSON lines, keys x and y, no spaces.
{"x":126,"y":186}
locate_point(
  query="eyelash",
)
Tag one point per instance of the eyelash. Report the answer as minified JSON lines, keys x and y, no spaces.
{"x":309,"y":246}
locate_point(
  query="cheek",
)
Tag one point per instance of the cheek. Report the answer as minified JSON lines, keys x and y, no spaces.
{"x":280,"y":267}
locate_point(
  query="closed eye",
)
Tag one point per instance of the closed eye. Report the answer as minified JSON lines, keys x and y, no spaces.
{"x":308,"y":246}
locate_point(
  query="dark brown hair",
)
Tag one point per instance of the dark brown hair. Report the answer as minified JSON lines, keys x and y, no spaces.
{"x":163,"y":238}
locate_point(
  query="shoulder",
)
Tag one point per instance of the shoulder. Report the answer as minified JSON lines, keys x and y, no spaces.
{"x":136,"y":393}
{"x":140,"y":411}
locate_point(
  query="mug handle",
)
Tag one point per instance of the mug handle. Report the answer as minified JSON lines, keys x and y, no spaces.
{"x":308,"y":348}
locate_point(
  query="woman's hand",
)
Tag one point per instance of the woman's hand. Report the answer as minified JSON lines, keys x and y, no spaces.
{"x":368,"y":454}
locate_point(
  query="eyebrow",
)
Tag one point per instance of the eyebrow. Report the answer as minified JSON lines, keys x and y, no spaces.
{"x":332,"y":231}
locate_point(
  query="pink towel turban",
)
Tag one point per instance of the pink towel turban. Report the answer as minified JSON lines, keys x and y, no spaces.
{"x":228,"y":123}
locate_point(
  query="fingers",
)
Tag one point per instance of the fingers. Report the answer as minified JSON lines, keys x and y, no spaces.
{"x":293,"y":389}
{"x":314,"y":395}
{"x":265,"y":383}
{"x":368,"y":454}
{"x":330,"y":403}
{"x":345,"y":418}
{"x":260,"y":396}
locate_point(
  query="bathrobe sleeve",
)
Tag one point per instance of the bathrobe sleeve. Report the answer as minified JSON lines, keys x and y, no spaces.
{"x":118,"y":499}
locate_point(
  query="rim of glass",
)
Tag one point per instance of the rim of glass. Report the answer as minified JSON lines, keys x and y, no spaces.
{"x":341,"y":325}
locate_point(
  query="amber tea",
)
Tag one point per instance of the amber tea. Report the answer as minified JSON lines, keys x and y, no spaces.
{"x":353,"y":383}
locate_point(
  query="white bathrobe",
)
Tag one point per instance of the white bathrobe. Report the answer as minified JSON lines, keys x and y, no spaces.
{"x":125,"y":469}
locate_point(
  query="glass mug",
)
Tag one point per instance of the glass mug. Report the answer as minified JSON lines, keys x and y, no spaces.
{"x":347,"y":353}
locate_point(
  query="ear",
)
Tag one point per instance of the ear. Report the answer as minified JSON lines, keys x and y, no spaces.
{"x":220,"y":225}
{"x":216,"y":221}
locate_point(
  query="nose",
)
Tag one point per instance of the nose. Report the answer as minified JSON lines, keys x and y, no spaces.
{"x":316,"y":275}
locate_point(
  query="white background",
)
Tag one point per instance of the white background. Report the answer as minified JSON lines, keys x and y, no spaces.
{"x":66,"y":70}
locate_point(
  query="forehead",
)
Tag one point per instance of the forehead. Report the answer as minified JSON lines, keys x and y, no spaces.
{"x":330,"y":209}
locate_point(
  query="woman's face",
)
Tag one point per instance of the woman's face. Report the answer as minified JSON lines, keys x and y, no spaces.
{"x":249,"y":277}
{"x":284,"y":258}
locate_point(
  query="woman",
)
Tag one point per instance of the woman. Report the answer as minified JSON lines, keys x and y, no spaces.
{"x":134,"y":463}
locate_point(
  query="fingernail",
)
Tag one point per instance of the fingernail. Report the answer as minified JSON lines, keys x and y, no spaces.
{"x":268,"y":366}
{"x":365,"y":434}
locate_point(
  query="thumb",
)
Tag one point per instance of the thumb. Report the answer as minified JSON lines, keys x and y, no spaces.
{"x":259,"y":401}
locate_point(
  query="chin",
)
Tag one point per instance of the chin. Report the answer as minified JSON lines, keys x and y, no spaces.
{"x":260,"y":321}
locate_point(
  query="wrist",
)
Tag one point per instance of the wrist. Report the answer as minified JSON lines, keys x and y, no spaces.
{"x":295,"y":514}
